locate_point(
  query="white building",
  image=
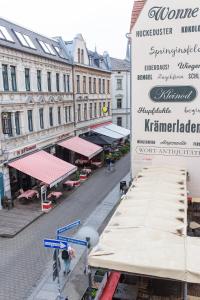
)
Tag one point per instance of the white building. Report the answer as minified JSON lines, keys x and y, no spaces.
{"x":121,"y":91}
{"x":40,"y":102}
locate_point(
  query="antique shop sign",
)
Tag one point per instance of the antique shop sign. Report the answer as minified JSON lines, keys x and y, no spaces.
{"x":166,"y":87}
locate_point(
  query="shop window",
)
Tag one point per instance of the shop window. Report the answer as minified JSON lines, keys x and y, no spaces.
{"x":91,"y":115}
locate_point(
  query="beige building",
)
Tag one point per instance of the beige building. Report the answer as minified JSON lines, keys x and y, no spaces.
{"x":45,"y":94}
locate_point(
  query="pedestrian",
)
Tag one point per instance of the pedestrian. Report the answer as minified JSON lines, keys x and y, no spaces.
{"x":67,"y":255}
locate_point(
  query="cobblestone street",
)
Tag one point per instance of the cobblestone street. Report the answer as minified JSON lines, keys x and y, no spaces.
{"x":23,"y":258}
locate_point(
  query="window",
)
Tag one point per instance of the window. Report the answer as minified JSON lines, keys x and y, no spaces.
{"x":119,"y":84}
{"x":27,"y":79}
{"x":64,"y":83}
{"x":90,"y":85}
{"x":79,"y":55}
{"x":17,"y":123}
{"x":49,"y":81}
{"x":57,"y":82}
{"x":90,"y":111}
{"x":5,"y":77}
{"x":84,"y":84}
{"x":90,"y":61}
{"x":78,"y":83}
{"x":13,"y":78}
{"x":30,"y":120}
{"x":95,"y":110}
{"x":59,"y":115}
{"x":79,"y":112}
{"x":94,"y":85}
{"x":51,"y":116}
{"x":6,"y":123}
{"x":82,"y":56}
{"x":119,"y":121}
{"x":99,"y":85}
{"x":68,"y":83}
{"x":103,"y":86}
{"x":119,"y":103}
{"x":5,"y":35}
{"x":69,"y":109}
{"x":25,"y":40}
{"x":67,"y":114}
{"x":100,"y":109}
{"x":59,"y":51}
{"x":41,"y":117}
{"x":85,"y":111}
{"x":108,"y":86}
{"x":46,"y":48}
{"x":108,"y":108}
{"x":39,"y":80}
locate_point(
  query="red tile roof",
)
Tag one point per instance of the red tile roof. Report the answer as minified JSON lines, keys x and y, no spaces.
{"x":137,"y":8}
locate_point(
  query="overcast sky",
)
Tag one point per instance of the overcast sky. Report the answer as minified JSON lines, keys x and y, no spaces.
{"x":103,"y":23}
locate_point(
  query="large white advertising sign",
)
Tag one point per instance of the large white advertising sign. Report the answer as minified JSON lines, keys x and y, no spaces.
{"x":166,"y":87}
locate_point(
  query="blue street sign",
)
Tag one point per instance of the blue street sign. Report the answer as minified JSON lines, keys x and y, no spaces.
{"x":55,"y":244}
{"x":69,"y":226}
{"x":72,"y":240}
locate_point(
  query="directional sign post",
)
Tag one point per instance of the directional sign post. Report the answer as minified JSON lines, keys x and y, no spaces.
{"x":56,"y":244}
{"x":72,"y":240}
{"x":68,"y":227}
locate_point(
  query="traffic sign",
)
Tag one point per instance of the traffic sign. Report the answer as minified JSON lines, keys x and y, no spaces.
{"x":69,"y":226}
{"x":55,"y":244}
{"x":72,"y":240}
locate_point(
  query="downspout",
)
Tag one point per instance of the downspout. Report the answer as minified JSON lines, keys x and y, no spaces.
{"x":74,"y":97}
{"x":128,"y":35}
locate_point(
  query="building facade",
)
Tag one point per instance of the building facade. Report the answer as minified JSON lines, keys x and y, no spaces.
{"x":92,"y":85}
{"x":41,"y":100}
{"x":121,"y":91}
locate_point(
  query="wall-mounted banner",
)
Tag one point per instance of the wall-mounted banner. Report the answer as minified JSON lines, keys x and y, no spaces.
{"x":166,"y":87}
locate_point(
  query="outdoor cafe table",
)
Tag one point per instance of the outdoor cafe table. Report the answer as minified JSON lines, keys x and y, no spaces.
{"x":87,"y":171}
{"x":97,"y":164}
{"x":72,"y":183}
{"x":81,"y":161}
{"x":55,"y":194}
{"x":29,"y":194}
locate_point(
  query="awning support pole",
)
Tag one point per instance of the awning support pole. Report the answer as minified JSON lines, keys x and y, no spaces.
{"x":185,"y":291}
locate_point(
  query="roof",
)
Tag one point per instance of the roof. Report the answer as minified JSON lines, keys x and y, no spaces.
{"x":44,"y":167}
{"x":137,"y":8}
{"x":81,"y":146}
{"x":147,"y":234}
{"x":120,"y":64}
{"x":36,"y":49}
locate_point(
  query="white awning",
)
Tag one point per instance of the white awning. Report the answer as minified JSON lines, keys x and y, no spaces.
{"x":121,"y":130}
{"x":147,"y":235}
{"x":104,"y":131}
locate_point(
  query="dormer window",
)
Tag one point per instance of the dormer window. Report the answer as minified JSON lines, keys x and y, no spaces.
{"x":25,"y":40}
{"x":90,"y":60}
{"x":5,"y":35}
{"x":46,"y":48}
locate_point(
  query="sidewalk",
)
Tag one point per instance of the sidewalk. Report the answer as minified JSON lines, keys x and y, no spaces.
{"x":76,"y":283}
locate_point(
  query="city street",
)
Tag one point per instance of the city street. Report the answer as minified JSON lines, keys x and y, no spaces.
{"x":23,"y":258}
